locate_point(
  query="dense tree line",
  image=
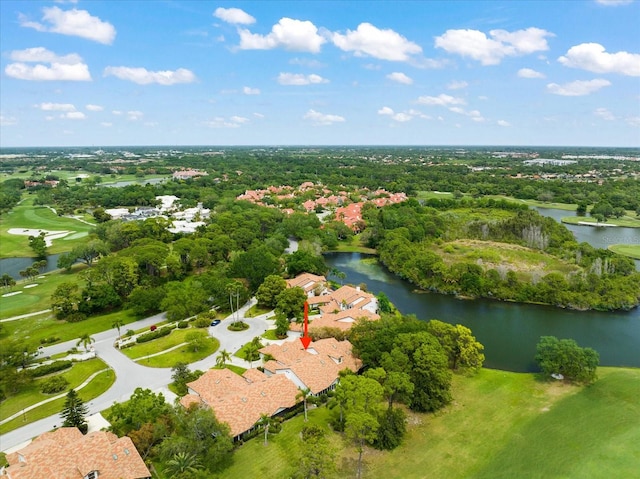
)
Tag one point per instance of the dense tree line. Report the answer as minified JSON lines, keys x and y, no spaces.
{"x":409,"y":238}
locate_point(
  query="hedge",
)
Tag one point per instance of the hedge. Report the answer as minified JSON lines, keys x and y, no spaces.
{"x":50,"y":368}
{"x":158,"y":333}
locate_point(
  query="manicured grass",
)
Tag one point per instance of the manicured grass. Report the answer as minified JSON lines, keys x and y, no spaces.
{"x":626,"y":221}
{"x":177,"y":336}
{"x":242,"y":352}
{"x":500,"y":425}
{"x":631,"y":250}
{"x":32,"y":330}
{"x":256,"y":310}
{"x":26,"y":215}
{"x":183,"y":355}
{"x":37,"y":298}
{"x":76,"y":375}
{"x":101,"y":383}
{"x":270,"y":334}
{"x":427,"y":195}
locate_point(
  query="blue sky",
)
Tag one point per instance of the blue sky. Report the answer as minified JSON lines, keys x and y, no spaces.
{"x":106,"y":73}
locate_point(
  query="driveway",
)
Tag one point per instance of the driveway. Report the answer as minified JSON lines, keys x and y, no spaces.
{"x":131,"y":375}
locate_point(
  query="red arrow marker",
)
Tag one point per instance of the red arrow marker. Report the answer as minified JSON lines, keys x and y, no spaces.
{"x":306,"y":340}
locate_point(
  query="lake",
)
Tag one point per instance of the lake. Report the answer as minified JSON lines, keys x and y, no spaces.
{"x":509,"y":331}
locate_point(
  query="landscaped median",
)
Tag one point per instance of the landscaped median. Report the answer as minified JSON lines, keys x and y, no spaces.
{"x":182,"y":345}
{"x":101,"y":379}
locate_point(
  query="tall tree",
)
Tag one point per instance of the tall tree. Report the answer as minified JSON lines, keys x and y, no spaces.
{"x":269,"y":290}
{"x":38,"y":245}
{"x":86,"y":340}
{"x":317,"y":458}
{"x":74,"y":412}
{"x":304,"y":395}
{"x":565,"y":357}
{"x":223,"y":357}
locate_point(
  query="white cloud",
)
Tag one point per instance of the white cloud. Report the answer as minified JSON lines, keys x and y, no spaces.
{"x":290,"y":34}
{"x":441,"y":100}
{"x":42,"y":55}
{"x":368,"y":40}
{"x":106,"y":124}
{"x":322,"y":119}
{"x":221,"y":122}
{"x":142,"y":76}
{"x":94,"y":107}
{"x":578,"y":87}
{"x":401,"y":117}
{"x":8,"y":120}
{"x":61,"y":68}
{"x":400,"y":78}
{"x":457,"y":85}
{"x":300,"y":79}
{"x":258,"y":115}
{"x":134,"y":115}
{"x":604,"y":114}
{"x":250,"y":91}
{"x":56,"y":107}
{"x":234,"y":15}
{"x":593,"y":57}
{"x":116,"y":112}
{"x":614,"y":3}
{"x":475,"y":115}
{"x":529,"y":73}
{"x":73,"y":115}
{"x":490,"y":51}
{"x":73,"y":22}
{"x":503,"y":123}
{"x":633,"y":121}
{"x":306,"y":62}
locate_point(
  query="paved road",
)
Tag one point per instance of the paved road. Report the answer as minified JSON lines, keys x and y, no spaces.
{"x":130,"y":375}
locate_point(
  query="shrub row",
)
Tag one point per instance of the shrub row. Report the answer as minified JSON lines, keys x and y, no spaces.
{"x":158,"y":333}
{"x":50,"y":368}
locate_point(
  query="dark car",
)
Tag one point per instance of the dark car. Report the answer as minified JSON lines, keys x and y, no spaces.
{"x":215,"y":322}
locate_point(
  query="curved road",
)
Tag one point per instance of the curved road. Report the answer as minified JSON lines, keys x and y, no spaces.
{"x":130,"y":374}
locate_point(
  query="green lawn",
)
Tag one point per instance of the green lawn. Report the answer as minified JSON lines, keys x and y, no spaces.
{"x":257,"y":310}
{"x":631,"y":250}
{"x":270,"y":334}
{"x":626,"y":221}
{"x":177,"y":336}
{"x":76,"y":375}
{"x":35,"y":328}
{"x":36,"y":298}
{"x":100,"y":384}
{"x":26,"y":215}
{"x":500,"y":425}
{"x":181,"y":355}
{"x":242,"y":352}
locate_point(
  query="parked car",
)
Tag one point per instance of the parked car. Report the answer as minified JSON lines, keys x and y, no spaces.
{"x":215,"y":322}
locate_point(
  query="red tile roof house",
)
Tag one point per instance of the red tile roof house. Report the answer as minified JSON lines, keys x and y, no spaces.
{"x":241,"y":400}
{"x":309,"y":283}
{"x":316,"y":368}
{"x":67,"y":454}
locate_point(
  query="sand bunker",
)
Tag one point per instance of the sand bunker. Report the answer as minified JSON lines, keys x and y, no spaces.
{"x":6,"y":295}
{"x":49,"y":236}
{"x":30,"y":286}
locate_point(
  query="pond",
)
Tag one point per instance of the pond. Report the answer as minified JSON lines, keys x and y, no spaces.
{"x":13,"y":266}
{"x":509,"y":331}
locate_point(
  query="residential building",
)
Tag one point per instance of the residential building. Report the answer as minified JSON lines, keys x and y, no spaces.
{"x":310,"y":283}
{"x":316,"y":368}
{"x":241,"y":400}
{"x":66,"y":453}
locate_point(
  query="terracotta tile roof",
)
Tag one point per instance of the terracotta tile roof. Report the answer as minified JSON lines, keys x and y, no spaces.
{"x":306,"y":281}
{"x":316,"y":368}
{"x":240,"y":400}
{"x":66,"y":454}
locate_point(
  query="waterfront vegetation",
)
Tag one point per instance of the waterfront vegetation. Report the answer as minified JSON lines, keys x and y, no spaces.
{"x":453,"y":236}
{"x":626,"y":221}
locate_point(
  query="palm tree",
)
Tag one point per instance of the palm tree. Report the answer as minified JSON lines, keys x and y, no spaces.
{"x":250,"y":351}
{"x":304,"y":394}
{"x":265,"y":422}
{"x":223,"y":357}
{"x":117,"y":323}
{"x":182,"y":463}
{"x":86,"y":341}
